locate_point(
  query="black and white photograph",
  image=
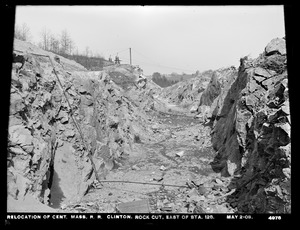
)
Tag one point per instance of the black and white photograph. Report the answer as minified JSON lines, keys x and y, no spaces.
{"x":149,"y":112}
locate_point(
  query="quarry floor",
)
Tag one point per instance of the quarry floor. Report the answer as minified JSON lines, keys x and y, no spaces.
{"x":172,"y":175}
{"x":162,"y":174}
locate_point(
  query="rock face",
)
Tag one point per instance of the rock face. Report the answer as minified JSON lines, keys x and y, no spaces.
{"x":277,"y":45}
{"x":188,"y":92}
{"x":59,"y":129}
{"x":52,"y":137}
{"x":38,"y":115}
{"x":251,"y":132}
{"x":203,"y":95}
{"x":213,"y":96}
{"x":138,"y":88}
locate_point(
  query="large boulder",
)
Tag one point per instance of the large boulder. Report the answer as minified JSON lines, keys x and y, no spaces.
{"x":277,"y":45}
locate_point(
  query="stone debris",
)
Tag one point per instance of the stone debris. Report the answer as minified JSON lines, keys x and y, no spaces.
{"x":158,"y":179}
{"x":193,"y":199}
{"x":162,"y":168}
{"x":135,"y":167}
{"x":179,"y":154}
{"x":218,"y":181}
{"x":232,"y":126}
{"x":194,"y":109}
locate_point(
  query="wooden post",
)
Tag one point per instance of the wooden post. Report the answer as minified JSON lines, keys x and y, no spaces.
{"x":130,"y":56}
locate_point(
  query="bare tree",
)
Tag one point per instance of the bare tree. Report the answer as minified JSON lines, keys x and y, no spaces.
{"x":71,"y":46}
{"x":22,"y":32}
{"x":17,"y":34}
{"x":67,"y":44}
{"x":46,"y":36}
{"x":76,"y":53}
{"x":54,"y":44}
{"x":87,"y":51}
{"x":64,"y":42}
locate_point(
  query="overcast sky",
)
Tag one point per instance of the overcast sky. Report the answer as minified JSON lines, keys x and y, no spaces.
{"x":163,"y":38}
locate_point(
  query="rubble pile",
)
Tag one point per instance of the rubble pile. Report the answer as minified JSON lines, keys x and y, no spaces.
{"x":251,"y":133}
{"x":203,"y":195}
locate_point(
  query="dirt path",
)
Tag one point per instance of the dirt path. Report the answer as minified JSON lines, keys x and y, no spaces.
{"x":163,"y":172}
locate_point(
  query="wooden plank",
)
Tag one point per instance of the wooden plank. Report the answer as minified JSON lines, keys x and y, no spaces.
{"x":138,"y":206}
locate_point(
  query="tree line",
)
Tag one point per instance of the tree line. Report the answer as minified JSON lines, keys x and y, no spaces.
{"x":173,"y":78}
{"x":61,"y":44}
{"x":162,"y":80}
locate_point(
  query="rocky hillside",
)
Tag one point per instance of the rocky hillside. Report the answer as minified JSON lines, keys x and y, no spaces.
{"x":135,"y":85}
{"x":200,"y":91}
{"x":251,"y":132}
{"x":56,"y":134}
{"x":187,"y":92}
{"x":26,"y":47}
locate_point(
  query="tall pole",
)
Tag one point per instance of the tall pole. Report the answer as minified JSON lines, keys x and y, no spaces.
{"x":130,"y":55}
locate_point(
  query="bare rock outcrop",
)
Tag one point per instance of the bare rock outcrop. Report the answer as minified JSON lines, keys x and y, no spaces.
{"x":137,"y":87}
{"x":212,"y":98}
{"x":61,"y":120}
{"x":187,"y":93}
{"x":251,"y":133}
{"x":276,"y":46}
{"x":36,"y":113}
{"x":64,"y":122}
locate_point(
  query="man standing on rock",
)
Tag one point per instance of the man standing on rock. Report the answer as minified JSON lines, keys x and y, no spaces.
{"x":117,"y":60}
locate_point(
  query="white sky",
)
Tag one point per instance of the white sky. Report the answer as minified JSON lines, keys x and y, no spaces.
{"x":163,"y":38}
